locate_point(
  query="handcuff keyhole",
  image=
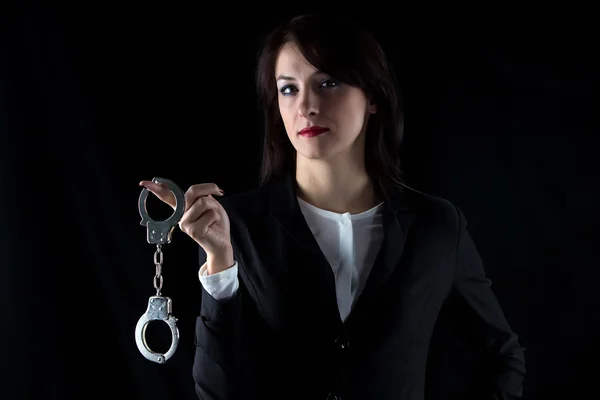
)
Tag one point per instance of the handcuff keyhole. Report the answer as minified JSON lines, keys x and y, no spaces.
{"x":158,"y":336}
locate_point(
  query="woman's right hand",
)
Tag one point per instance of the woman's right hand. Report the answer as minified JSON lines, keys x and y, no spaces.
{"x":204,"y":220}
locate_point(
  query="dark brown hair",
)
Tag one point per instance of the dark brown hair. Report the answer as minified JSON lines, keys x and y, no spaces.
{"x":344,"y":50}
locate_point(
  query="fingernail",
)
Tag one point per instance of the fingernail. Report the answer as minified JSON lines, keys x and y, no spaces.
{"x":222,"y":191}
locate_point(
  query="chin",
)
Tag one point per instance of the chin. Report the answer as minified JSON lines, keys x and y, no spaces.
{"x":322,"y":152}
{"x":316,"y":155}
{"x":312,"y":156}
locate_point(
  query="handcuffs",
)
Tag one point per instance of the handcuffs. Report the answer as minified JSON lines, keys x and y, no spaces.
{"x":159,"y":307}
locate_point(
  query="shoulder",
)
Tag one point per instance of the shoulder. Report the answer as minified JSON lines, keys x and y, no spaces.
{"x":427,"y":208}
{"x":434,"y":211}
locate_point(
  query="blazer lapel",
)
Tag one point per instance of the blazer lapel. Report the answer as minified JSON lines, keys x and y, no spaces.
{"x":397,"y":217}
{"x":284,"y":207}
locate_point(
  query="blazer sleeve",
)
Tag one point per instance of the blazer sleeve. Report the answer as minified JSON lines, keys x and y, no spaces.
{"x":485,"y":319}
{"x":231,"y":346}
{"x":214,"y":342}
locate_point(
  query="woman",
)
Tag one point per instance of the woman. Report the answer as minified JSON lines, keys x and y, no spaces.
{"x":326,"y":281}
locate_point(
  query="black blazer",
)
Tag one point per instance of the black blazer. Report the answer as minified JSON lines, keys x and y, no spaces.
{"x":281,"y":335}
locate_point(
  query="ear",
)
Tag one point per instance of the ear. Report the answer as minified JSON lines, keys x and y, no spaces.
{"x":371,"y":107}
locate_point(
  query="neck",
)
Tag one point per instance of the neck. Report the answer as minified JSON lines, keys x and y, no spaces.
{"x":339,"y":185}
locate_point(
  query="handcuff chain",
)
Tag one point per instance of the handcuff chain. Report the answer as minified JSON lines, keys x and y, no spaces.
{"x":158,"y":261}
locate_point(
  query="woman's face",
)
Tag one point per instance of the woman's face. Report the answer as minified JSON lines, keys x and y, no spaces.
{"x":309,"y":98}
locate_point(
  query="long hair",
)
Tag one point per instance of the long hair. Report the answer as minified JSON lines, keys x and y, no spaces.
{"x":350,"y":54}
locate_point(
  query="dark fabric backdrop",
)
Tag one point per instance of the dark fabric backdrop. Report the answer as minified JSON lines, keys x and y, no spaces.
{"x":95,"y":97}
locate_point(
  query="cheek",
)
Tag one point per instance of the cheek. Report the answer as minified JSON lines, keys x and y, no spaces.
{"x":348,"y":111}
{"x":286,"y":112}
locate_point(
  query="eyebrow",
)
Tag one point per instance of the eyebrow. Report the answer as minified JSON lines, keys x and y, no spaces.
{"x":285,"y":77}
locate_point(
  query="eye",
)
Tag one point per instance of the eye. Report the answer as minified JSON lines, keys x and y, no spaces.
{"x":288,"y":90}
{"x":329,"y":83}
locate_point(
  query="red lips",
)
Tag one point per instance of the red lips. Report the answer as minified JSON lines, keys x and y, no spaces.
{"x":313,"y":131}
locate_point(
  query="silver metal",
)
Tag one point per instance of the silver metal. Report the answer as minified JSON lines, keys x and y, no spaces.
{"x":160,"y":232}
{"x":158,"y":263}
{"x":159,"y":309}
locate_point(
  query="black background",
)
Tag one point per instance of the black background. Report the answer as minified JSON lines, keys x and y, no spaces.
{"x":96,"y":96}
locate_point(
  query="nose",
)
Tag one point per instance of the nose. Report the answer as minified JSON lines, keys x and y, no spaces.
{"x":308,"y":104}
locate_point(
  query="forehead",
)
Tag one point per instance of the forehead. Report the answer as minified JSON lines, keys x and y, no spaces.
{"x":290,"y":61}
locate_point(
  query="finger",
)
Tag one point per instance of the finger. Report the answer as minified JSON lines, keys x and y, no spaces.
{"x":200,"y":206}
{"x":161,"y":191}
{"x":200,"y":227}
{"x":199,"y":190}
